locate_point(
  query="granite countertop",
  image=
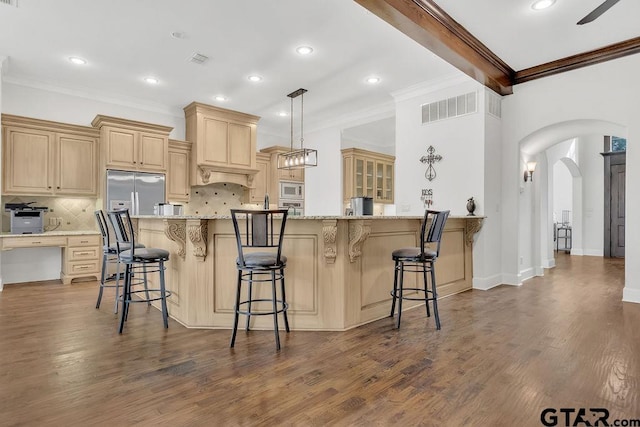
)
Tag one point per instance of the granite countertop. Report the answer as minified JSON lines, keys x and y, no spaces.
{"x":53,"y":233}
{"x":296,"y":217}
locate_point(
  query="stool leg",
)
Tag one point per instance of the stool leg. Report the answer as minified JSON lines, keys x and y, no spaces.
{"x":284,"y":301}
{"x":400,"y":294}
{"x":435,"y":295}
{"x":146,"y":288}
{"x":250,"y":296}
{"x":115,"y":309}
{"x":275,"y":308}
{"x":237,"y":306}
{"x":163,"y":296}
{"x":426,"y":288}
{"x":395,"y":289}
{"x":102,"y":278}
{"x":125,"y":297}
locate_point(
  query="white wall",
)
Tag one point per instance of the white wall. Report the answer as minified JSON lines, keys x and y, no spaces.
{"x":74,"y":108}
{"x":606,"y":92}
{"x":323,"y":184}
{"x":592,"y":166}
{"x":2,"y":60}
{"x":562,"y":191}
{"x":460,"y":142}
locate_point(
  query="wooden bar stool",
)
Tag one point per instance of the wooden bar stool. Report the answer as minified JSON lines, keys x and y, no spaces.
{"x":260,"y":229}
{"x":420,"y":259}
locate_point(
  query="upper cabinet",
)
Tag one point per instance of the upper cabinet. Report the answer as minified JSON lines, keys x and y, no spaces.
{"x":262,"y":180}
{"x":223,"y":145}
{"x":48,"y":158}
{"x":178,"y":187}
{"x":368,"y":174}
{"x":132,"y":145}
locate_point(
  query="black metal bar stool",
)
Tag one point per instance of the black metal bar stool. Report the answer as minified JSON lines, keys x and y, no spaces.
{"x":109,"y":256}
{"x":260,"y":229}
{"x":419,"y":260}
{"x":149,"y":260}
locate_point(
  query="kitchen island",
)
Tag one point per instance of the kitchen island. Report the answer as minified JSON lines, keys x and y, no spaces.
{"x":339,"y":271}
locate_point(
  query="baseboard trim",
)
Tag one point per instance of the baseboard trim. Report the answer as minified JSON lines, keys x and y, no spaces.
{"x":486,"y":283}
{"x":594,"y":252}
{"x":631,"y":295}
{"x":512,"y":279}
{"x":527,"y":274}
{"x":549,"y":263}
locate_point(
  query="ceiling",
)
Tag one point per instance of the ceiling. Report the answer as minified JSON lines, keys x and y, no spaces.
{"x":124,"y":41}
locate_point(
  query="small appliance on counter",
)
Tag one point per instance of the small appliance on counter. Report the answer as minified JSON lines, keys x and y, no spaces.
{"x":168,"y":209}
{"x":362,"y":206}
{"x":26,"y":219}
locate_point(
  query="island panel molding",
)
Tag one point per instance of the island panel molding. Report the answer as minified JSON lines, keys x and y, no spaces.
{"x":176,"y":231}
{"x":323,"y":292}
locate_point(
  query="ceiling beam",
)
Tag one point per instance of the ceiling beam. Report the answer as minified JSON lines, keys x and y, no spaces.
{"x":614,"y":51}
{"x":426,"y":23}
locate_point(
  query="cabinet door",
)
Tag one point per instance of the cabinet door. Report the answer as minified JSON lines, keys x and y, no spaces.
{"x":291,"y":175}
{"x":369,"y":178}
{"x":76,"y":165}
{"x":28,"y":160}
{"x":153,"y":152}
{"x":212,"y":149}
{"x":178,"y":176}
{"x":261,"y":181}
{"x":121,"y":148}
{"x":240,"y":146}
{"x":379,"y":182}
{"x":388,"y":183}
{"x":359,"y":177}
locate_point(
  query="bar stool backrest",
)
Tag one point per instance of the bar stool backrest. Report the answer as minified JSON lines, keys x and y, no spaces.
{"x":433,"y":234}
{"x":104,"y":229}
{"x":123,"y":230}
{"x":259,"y":229}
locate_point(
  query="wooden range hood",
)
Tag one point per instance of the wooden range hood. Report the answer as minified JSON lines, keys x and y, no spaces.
{"x":223,"y":145}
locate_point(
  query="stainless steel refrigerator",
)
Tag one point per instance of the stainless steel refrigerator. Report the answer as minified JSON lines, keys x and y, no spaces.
{"x":136,"y":191}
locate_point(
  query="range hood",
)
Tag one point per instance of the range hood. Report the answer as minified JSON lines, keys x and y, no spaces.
{"x":223,"y":145}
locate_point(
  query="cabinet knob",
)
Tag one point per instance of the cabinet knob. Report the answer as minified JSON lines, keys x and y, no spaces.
{"x":58,"y":187}
{"x":134,"y":163}
{"x":49,"y":187}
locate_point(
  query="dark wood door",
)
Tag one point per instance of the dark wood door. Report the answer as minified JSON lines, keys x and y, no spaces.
{"x":617,"y":210}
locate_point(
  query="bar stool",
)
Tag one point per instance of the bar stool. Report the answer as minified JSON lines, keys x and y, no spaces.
{"x":259,"y":229}
{"x":419,"y":260}
{"x":149,"y":260}
{"x":109,"y":256}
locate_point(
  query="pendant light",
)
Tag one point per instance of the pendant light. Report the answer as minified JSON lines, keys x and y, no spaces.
{"x":300,"y":157}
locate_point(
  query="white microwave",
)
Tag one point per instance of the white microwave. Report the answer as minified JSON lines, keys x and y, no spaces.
{"x":291,"y":190}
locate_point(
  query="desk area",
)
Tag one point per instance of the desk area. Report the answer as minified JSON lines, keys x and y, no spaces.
{"x":80,"y":255}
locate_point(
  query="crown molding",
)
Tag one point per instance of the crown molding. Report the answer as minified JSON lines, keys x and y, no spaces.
{"x":430,"y":86}
{"x":96,"y":96}
{"x":607,"y":53}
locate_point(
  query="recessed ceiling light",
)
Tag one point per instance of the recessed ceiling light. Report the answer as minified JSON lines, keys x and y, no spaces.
{"x":304,"y":50}
{"x":220,"y":98}
{"x":283,"y":114}
{"x":542,"y":4}
{"x":78,"y":61}
{"x":255,"y":78}
{"x":151,"y":80}
{"x":178,"y":34}
{"x":372,"y":80}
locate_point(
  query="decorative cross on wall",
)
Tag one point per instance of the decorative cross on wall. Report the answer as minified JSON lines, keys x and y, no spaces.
{"x":430,"y":158}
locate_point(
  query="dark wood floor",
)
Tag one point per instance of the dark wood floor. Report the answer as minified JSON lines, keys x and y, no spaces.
{"x":502,"y":356}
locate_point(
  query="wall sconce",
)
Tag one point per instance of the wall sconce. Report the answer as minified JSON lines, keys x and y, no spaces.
{"x":528,"y":174}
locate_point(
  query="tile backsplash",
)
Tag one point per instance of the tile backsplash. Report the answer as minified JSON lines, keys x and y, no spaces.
{"x":217,"y":199}
{"x":75,"y":213}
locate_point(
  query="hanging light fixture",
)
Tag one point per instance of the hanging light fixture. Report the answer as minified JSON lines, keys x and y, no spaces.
{"x":302,"y":157}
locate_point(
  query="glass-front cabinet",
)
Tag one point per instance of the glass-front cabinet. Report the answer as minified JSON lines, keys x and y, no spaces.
{"x":369,"y":174}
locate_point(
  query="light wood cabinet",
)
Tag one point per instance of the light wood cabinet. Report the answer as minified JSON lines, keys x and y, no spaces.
{"x":48,"y":158}
{"x":178,"y":187}
{"x":223,"y":144}
{"x":368,"y":174}
{"x":262,"y":180}
{"x":132,"y":145}
{"x":277,"y":175}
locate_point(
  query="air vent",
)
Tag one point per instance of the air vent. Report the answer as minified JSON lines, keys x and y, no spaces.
{"x":9,"y":2}
{"x":196,"y":58}
{"x":452,"y":107}
{"x":493,"y":104}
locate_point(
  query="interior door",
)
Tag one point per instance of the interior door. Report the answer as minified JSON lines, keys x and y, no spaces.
{"x":617,"y":210}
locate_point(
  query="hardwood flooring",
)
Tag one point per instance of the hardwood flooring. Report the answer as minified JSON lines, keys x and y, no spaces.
{"x":564,"y":340}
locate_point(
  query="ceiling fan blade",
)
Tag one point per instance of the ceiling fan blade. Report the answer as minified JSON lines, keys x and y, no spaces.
{"x":595,"y":13}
